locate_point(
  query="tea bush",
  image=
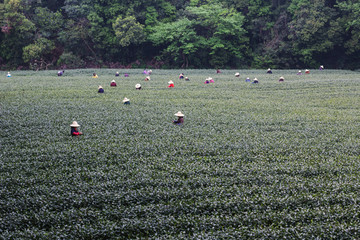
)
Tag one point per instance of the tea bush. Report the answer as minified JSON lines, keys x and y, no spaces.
{"x":252,"y":161}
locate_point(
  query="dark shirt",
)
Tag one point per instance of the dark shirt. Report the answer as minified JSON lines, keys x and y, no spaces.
{"x":101,"y":90}
{"x":128,"y":103}
{"x":116,"y":74}
{"x":113,"y":84}
{"x":74,"y":132}
{"x":270,"y":72}
{"x":179,"y":121}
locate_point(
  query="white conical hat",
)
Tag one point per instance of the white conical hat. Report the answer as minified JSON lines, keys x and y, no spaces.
{"x":138,"y":85}
{"x":299,"y":71}
{"x":306,"y":70}
{"x":179,"y":114}
{"x":100,"y":87}
{"x":170,"y":82}
{"x":269,"y":69}
{"x":126,"y":100}
{"x":113,"y":81}
{"x":237,"y":74}
{"x":148,"y":77}
{"x":255,"y":79}
{"x":209,"y":78}
{"x":281,"y":78}
{"x":74,"y":124}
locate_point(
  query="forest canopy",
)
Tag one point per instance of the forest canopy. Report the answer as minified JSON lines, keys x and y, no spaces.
{"x":46,"y":34}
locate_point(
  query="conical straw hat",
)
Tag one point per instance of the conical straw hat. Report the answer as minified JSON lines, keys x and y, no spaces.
{"x":179,"y":114}
{"x":74,"y":124}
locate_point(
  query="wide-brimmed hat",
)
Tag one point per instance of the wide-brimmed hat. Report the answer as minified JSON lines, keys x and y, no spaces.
{"x":74,"y":124}
{"x":138,"y":85}
{"x":100,"y":87}
{"x":113,"y":81}
{"x":170,"y":82}
{"x":237,"y":74}
{"x":126,"y":100}
{"x":299,"y":71}
{"x":281,"y":78}
{"x":179,"y":114}
{"x":209,"y":78}
{"x":147,"y":77}
{"x":186,"y":77}
{"x":269,"y":69}
{"x":307,"y":70}
{"x":255,"y":79}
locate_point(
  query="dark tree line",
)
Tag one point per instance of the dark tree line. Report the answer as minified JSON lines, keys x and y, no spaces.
{"x":46,"y":34}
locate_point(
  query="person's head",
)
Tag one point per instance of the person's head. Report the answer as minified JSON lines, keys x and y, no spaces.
{"x":113,"y":81}
{"x":179,"y":114}
{"x":138,"y":86}
{"x":237,"y":74}
{"x":74,"y":124}
{"x":94,"y":74}
{"x":170,"y":82}
{"x":126,"y":100}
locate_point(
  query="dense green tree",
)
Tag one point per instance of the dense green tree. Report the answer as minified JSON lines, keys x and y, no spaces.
{"x":18,"y":32}
{"x":351,"y":23}
{"x":181,"y":33}
{"x":207,"y":30}
{"x":179,"y":40}
{"x":128,"y":31}
{"x":311,"y":30}
{"x":38,"y":54}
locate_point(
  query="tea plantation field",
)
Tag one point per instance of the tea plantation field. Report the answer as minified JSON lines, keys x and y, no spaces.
{"x":252,"y":161}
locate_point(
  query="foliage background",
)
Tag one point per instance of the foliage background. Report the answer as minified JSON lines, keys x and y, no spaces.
{"x":281,"y":34}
